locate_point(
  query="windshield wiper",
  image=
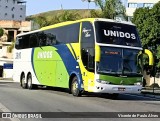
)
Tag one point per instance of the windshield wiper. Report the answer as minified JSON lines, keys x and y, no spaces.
{"x":110,"y":72}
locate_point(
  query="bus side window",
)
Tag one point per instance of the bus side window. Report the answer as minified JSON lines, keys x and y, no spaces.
{"x":22,"y":42}
{"x":41,"y":39}
{"x":17,"y":43}
{"x":33,"y":41}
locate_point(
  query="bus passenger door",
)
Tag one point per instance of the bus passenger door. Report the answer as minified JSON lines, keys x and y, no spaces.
{"x":87,"y":55}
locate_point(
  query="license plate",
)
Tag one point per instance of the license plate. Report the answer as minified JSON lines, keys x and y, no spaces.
{"x":121,"y":89}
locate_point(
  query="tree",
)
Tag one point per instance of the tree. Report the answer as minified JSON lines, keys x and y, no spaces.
{"x":10,"y":48}
{"x":109,"y":9}
{"x":42,"y":21}
{"x":65,"y":16}
{"x":68,"y":16}
{"x":148,"y":24}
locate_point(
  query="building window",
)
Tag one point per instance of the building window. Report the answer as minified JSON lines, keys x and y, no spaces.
{"x":150,"y":5}
{"x":21,"y":8}
{"x":5,"y":14}
{"x":140,"y":5}
{"x":6,"y":6}
{"x":132,"y":5}
{"x":20,"y":16}
{"x":12,"y":15}
{"x":13,"y":8}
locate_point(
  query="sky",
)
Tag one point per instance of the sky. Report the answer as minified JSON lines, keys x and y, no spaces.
{"x":39,"y":6}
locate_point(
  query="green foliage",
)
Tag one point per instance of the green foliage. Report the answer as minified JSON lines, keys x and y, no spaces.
{"x":41,"y":20}
{"x":1,"y":32}
{"x":65,"y":16}
{"x":10,"y":48}
{"x":109,"y":9}
{"x":62,"y":16}
{"x":68,"y":16}
{"x":148,"y":24}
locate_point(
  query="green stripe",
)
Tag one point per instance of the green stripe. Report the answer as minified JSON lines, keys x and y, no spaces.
{"x":120,"y":80}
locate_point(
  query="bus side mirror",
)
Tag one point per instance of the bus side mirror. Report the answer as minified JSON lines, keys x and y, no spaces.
{"x":97,"y":53}
{"x":150,"y":55}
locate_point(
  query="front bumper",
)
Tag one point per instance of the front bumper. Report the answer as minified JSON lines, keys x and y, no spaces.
{"x":109,"y":88}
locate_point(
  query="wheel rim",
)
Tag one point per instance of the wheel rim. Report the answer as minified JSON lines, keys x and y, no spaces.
{"x":74,"y":87}
{"x":29,"y":83}
{"x":23,"y":82}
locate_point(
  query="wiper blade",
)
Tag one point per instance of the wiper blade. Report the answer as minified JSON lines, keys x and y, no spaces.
{"x":111,"y":72}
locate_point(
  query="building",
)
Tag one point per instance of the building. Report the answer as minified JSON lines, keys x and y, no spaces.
{"x":12,"y":21}
{"x":132,"y":5}
{"x":12,"y":10}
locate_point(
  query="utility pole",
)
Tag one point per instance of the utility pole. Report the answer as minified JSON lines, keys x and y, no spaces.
{"x":88,"y":4}
{"x":61,"y":5}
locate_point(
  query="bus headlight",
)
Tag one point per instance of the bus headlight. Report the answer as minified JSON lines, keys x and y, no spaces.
{"x":138,"y":83}
{"x":102,"y":81}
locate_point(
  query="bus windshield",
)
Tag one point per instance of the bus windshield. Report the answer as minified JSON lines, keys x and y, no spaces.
{"x":117,"y":34}
{"x":119,"y":61}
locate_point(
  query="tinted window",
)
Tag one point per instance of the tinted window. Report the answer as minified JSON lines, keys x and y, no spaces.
{"x":27,"y":41}
{"x":119,"y":61}
{"x":87,"y":46}
{"x":60,"y":35}
{"x":117,"y":33}
{"x":22,"y":42}
{"x":65,"y":34}
{"x":46,"y":39}
{"x":33,"y":40}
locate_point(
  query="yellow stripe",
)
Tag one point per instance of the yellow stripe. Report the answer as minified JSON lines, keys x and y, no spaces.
{"x":71,"y":50}
{"x":66,"y":23}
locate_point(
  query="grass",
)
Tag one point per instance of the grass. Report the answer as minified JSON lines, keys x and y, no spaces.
{"x":83,"y":13}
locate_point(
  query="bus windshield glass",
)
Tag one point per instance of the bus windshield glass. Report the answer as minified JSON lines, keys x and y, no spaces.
{"x":117,"y":34}
{"x":119,"y":61}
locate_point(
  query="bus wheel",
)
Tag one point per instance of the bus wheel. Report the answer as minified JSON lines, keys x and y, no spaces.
{"x":23,"y":84}
{"x":74,"y":87}
{"x":29,"y":82}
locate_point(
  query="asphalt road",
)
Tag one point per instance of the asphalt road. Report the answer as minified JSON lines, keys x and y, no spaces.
{"x":15,"y":99}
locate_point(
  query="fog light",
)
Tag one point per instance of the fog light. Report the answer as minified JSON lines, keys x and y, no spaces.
{"x":138,"y":83}
{"x":102,"y":81}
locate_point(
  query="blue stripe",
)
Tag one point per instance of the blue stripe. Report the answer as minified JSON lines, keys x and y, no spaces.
{"x":32,"y":61}
{"x":69,"y":61}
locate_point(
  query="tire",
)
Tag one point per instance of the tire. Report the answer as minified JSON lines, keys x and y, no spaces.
{"x":23,"y":84}
{"x":29,"y":82}
{"x":74,"y":87}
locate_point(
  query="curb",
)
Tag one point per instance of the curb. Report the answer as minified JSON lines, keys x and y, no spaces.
{"x":6,"y":80}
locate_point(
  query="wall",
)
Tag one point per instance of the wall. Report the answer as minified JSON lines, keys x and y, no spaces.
{"x":11,"y":10}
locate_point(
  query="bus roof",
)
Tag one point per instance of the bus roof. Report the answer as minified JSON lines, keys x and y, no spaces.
{"x":85,"y":19}
{"x":72,"y":22}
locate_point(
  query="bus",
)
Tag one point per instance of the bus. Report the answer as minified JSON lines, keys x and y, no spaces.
{"x":92,"y":55}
